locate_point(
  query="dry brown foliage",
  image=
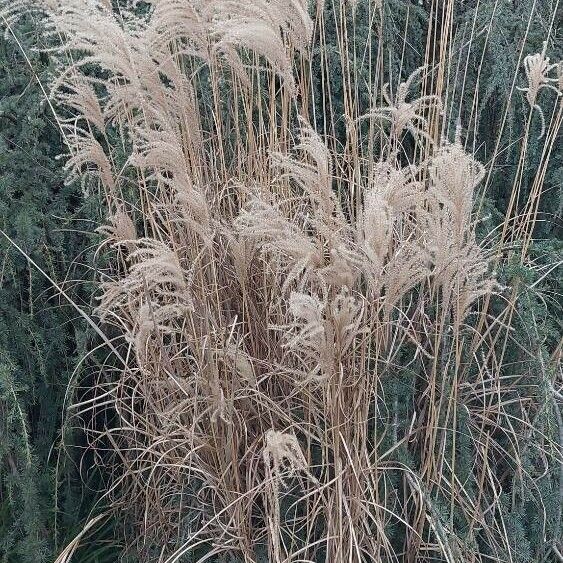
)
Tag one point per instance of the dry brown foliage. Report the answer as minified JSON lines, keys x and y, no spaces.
{"x":264,"y":285}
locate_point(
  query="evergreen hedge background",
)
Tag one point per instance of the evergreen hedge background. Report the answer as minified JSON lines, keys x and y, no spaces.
{"x":43,"y":500}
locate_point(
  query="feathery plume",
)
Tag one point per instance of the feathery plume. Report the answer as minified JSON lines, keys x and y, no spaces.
{"x":403,"y":114}
{"x":537,"y":68}
{"x":282,"y":454}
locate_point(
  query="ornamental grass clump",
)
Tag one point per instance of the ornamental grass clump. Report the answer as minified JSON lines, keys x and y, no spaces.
{"x":310,"y":330}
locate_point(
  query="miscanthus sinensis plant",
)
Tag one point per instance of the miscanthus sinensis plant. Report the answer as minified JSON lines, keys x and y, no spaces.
{"x":306,"y":332}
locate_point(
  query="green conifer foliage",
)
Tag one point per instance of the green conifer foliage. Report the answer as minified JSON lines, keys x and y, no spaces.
{"x":41,"y":344}
{"x":38,"y":336}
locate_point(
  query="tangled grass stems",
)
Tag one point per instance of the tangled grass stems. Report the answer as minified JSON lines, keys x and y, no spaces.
{"x":314,"y":371}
